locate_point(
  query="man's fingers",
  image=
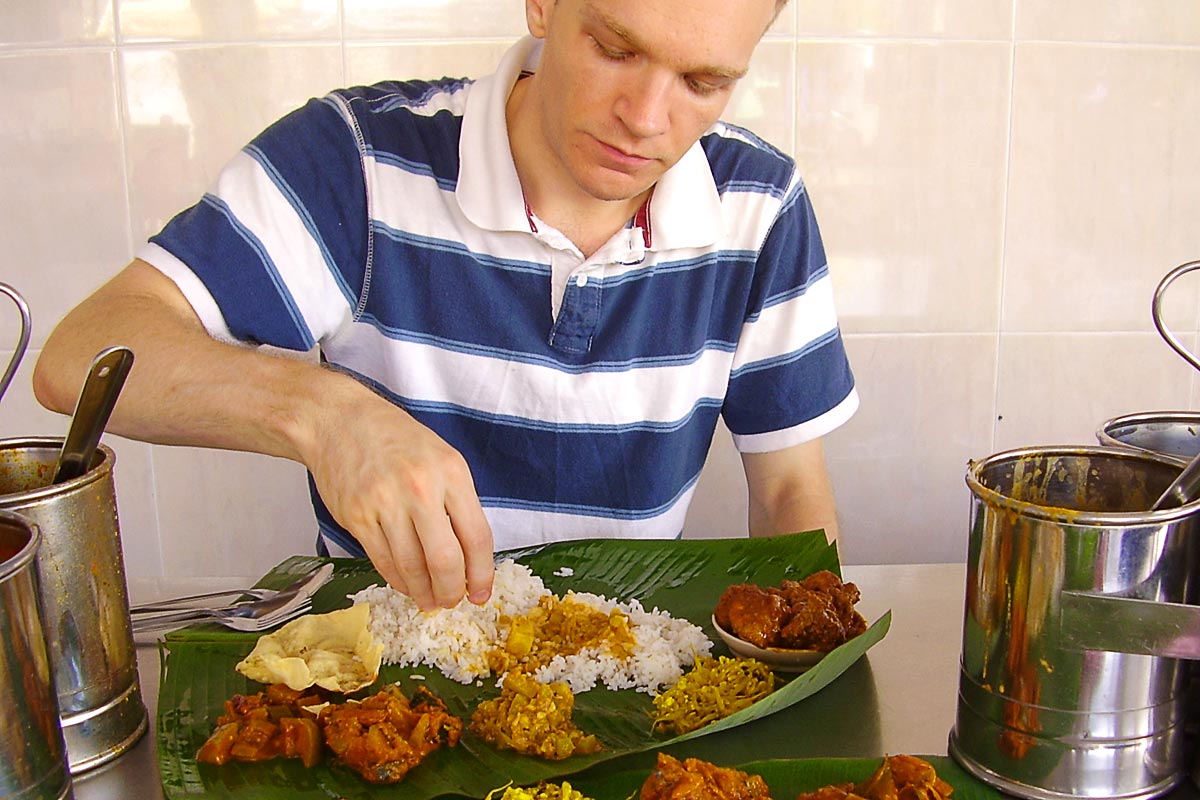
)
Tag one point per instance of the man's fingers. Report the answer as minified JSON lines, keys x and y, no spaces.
{"x":443,"y":557}
{"x":395,"y":550}
{"x":475,"y":538}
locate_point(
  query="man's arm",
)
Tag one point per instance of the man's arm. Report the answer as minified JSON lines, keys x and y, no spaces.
{"x":405,"y":494}
{"x":790,"y":491}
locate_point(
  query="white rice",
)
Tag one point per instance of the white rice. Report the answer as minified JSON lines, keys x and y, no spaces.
{"x":456,"y":640}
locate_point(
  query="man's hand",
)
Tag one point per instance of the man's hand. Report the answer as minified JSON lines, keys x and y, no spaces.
{"x":406,"y":495}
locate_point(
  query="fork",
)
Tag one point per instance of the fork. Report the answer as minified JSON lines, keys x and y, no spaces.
{"x":189,"y":603}
{"x":253,"y":616}
{"x":235,"y":618}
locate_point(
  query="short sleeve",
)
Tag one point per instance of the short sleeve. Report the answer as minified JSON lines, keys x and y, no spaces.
{"x":277,"y":245}
{"x":791,"y":380}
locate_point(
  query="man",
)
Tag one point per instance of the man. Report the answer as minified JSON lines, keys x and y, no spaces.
{"x":533,"y":294}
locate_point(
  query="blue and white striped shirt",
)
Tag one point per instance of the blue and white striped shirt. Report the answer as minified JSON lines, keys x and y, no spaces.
{"x":386,"y":226}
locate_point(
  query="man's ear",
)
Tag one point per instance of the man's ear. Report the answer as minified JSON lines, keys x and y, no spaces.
{"x":537,"y":16}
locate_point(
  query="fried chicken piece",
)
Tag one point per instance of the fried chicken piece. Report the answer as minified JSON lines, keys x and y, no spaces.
{"x":693,"y":779}
{"x":914,"y":776}
{"x":814,"y":624}
{"x":844,"y":596}
{"x":385,"y":735}
{"x":897,"y":778}
{"x":837,"y":791}
{"x":752,"y":613}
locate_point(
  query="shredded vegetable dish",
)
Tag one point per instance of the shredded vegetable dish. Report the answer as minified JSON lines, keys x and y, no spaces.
{"x":543,"y":791}
{"x":713,"y":689}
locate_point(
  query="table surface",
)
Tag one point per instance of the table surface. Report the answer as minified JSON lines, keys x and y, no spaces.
{"x":900,"y":698}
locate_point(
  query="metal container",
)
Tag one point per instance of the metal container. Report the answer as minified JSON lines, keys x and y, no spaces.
{"x":84,"y":596}
{"x":33,"y":756}
{"x":1075,"y":623}
{"x":1168,"y":433}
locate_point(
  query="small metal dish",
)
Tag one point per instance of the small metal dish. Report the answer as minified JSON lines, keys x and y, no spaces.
{"x":777,"y":658}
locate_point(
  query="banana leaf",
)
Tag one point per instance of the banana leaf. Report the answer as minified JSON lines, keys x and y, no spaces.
{"x":685,"y":578}
{"x":788,"y":777}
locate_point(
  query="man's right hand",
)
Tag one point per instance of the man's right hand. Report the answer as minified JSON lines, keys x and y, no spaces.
{"x":394,"y":484}
{"x":405,"y":494}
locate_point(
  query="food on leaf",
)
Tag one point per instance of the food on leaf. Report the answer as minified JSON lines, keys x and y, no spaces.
{"x":543,"y":791}
{"x":816,"y":613}
{"x":561,"y":627}
{"x":897,"y":778}
{"x":583,"y":639}
{"x":693,"y":779}
{"x":533,"y":719}
{"x":270,"y":724}
{"x":335,"y":651}
{"x":384,"y":736}
{"x":712,"y":690}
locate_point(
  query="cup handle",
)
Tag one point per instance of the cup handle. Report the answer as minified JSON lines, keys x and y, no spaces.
{"x":1156,"y":311}
{"x":22,"y":342}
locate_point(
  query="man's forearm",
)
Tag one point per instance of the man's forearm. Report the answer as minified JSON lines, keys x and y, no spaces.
{"x":790,"y":491}
{"x":185,"y":387}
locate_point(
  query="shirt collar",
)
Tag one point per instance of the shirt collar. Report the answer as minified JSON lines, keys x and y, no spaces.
{"x":685,"y":208}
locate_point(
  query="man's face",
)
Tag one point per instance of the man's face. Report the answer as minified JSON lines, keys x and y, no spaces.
{"x":627,"y":86}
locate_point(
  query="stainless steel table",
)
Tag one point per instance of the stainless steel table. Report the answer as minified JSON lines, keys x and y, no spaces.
{"x":899,"y":699}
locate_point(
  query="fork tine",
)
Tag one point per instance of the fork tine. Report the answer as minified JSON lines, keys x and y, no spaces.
{"x":252,"y":625}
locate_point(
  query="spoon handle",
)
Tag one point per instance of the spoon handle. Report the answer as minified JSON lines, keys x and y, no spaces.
{"x":1183,"y":489}
{"x":96,"y":400}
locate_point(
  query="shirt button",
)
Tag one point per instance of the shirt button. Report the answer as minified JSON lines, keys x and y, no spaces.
{"x":581,"y":281}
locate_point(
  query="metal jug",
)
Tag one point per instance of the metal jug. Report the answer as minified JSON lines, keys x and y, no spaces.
{"x":81,"y":570}
{"x":33,"y":756}
{"x":1075,"y":623}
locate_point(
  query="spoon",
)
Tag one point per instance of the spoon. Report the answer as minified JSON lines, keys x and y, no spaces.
{"x":1183,"y":489}
{"x":96,"y":400}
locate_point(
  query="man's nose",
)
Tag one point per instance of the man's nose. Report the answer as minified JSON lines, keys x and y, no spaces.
{"x":644,"y":103}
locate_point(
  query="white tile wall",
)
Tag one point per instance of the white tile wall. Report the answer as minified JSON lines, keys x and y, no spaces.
{"x":1000,"y":184}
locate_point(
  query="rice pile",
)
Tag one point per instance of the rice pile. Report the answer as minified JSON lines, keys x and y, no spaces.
{"x":456,"y":641}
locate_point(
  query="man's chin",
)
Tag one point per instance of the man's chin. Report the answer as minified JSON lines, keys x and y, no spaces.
{"x":614,"y":191}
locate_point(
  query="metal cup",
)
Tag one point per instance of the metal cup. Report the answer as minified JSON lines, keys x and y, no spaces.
{"x":85,"y":600}
{"x":33,"y":756}
{"x":1072,"y":683}
{"x":1170,"y":433}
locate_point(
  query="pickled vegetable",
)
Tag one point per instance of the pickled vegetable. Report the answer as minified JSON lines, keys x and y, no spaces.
{"x":713,"y":689}
{"x":543,"y":791}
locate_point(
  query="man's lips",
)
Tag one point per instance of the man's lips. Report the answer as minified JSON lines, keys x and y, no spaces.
{"x":620,"y":157}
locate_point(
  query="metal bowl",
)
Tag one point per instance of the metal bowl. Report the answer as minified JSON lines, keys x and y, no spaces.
{"x":1169,"y":433}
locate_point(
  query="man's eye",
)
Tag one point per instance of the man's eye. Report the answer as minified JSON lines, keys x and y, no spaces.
{"x":609,"y":53}
{"x":703,"y":88}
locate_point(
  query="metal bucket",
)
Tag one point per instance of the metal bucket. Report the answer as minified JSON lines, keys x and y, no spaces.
{"x":1075,"y":621}
{"x":33,"y":757}
{"x":1169,"y":433}
{"x":84,"y":596}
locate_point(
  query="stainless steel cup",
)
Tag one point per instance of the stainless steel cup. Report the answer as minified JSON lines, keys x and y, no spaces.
{"x":33,"y":756}
{"x":84,"y":596}
{"x":1169,"y":433}
{"x":1075,"y":623}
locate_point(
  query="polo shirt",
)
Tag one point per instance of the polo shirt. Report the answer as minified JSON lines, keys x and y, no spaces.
{"x":385,"y":226}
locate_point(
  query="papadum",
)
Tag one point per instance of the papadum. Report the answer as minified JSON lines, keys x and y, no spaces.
{"x":335,"y":651}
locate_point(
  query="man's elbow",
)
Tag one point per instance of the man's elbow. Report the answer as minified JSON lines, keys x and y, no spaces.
{"x":50,"y":386}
